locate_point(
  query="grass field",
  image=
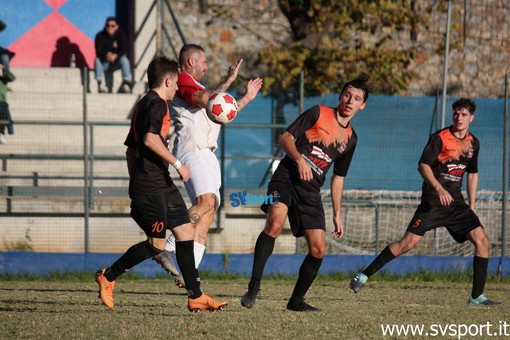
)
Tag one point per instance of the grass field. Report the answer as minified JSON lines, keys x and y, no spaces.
{"x":62,"y":307}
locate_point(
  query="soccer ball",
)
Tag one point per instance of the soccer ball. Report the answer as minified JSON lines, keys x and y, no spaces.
{"x":221,"y":108}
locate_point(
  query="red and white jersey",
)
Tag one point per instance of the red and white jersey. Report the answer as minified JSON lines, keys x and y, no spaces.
{"x":192,"y":126}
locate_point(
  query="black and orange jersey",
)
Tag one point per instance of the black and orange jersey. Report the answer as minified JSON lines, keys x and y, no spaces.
{"x":322,"y":141}
{"x":449,"y":158}
{"x":148,"y":171}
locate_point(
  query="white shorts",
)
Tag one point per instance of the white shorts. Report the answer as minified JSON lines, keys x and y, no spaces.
{"x":205,"y":174}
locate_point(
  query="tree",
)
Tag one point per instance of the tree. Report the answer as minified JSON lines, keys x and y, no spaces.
{"x":333,"y":41}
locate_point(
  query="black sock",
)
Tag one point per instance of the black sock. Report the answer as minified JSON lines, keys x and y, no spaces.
{"x":263,"y":249}
{"x":186,"y":261}
{"x":307,"y":274}
{"x":384,"y":257}
{"x":480,"y":265}
{"x":133,"y":256}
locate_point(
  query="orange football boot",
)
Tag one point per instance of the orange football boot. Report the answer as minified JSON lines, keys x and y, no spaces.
{"x":205,"y":302}
{"x":105,"y":288}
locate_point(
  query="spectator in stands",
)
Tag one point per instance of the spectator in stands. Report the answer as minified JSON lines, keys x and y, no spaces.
{"x":111,"y":55}
{"x":448,"y":155}
{"x":156,"y":203}
{"x":5,"y":114}
{"x":319,"y":139}
{"x":5,"y":54}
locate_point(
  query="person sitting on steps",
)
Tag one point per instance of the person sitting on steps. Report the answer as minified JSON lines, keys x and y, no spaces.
{"x":111,"y":55}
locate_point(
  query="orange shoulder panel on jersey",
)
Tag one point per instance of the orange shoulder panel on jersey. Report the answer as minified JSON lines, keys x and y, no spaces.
{"x":327,"y":130}
{"x":165,"y":128}
{"x":454,"y":148}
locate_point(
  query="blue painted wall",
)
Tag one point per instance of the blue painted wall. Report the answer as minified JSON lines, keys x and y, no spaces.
{"x":46,"y":263}
{"x":392,"y":132}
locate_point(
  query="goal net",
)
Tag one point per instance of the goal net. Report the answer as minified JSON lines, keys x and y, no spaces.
{"x":374,"y":219}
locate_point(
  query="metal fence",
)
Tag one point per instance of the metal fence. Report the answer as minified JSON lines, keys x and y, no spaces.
{"x":71,"y":198}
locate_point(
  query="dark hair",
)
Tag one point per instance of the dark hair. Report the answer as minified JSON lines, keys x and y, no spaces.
{"x":110,"y":19}
{"x":159,"y":68}
{"x":466,"y":103}
{"x":362,"y":82}
{"x":186,"y":49}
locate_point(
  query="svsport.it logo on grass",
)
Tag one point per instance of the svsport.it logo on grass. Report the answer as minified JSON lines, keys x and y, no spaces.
{"x":244,"y":198}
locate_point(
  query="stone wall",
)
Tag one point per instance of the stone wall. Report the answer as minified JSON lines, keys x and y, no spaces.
{"x":479,"y":41}
{"x":479,"y":48}
{"x":239,"y":30}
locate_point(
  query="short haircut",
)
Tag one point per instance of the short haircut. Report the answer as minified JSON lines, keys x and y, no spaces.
{"x":465,"y":103}
{"x":362,"y":82}
{"x":114,"y":19}
{"x":159,"y":68}
{"x":186,"y":50}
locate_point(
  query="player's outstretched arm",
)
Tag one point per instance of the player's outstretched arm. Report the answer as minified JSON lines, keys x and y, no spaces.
{"x":253,"y":87}
{"x":233,"y":70}
{"x":231,"y":76}
{"x":200,"y":98}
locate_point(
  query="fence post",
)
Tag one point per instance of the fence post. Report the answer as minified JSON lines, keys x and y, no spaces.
{"x":85,"y":164}
{"x":9,"y":199}
{"x":505,"y":179}
{"x":377,"y":229}
{"x":91,"y":168}
{"x":222,"y":176}
{"x":35,"y":184}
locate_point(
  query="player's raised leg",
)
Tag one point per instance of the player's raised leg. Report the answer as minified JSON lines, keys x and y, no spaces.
{"x":138,"y":253}
{"x":407,"y":243}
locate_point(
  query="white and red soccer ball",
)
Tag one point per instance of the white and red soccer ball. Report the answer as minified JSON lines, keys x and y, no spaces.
{"x":221,"y":108}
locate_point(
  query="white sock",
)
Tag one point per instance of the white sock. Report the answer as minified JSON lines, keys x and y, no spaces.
{"x":199,"y":250}
{"x":170,"y":243}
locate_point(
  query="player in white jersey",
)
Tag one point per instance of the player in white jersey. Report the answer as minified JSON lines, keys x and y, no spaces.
{"x":195,"y":143}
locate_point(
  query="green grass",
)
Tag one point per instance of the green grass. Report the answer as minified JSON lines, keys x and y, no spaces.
{"x":67,"y":306}
{"x":423,"y":275}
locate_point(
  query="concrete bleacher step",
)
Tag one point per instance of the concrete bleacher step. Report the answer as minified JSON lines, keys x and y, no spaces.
{"x":46,"y":80}
{"x":64,"y":139}
{"x":139,"y":87}
{"x":65,"y":106}
{"x":66,"y":167}
{"x":56,"y":94}
{"x":62,"y":80}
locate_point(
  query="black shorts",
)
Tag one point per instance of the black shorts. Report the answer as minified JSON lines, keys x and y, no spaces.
{"x":305,"y":207}
{"x":458,"y":218}
{"x":159,"y":212}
